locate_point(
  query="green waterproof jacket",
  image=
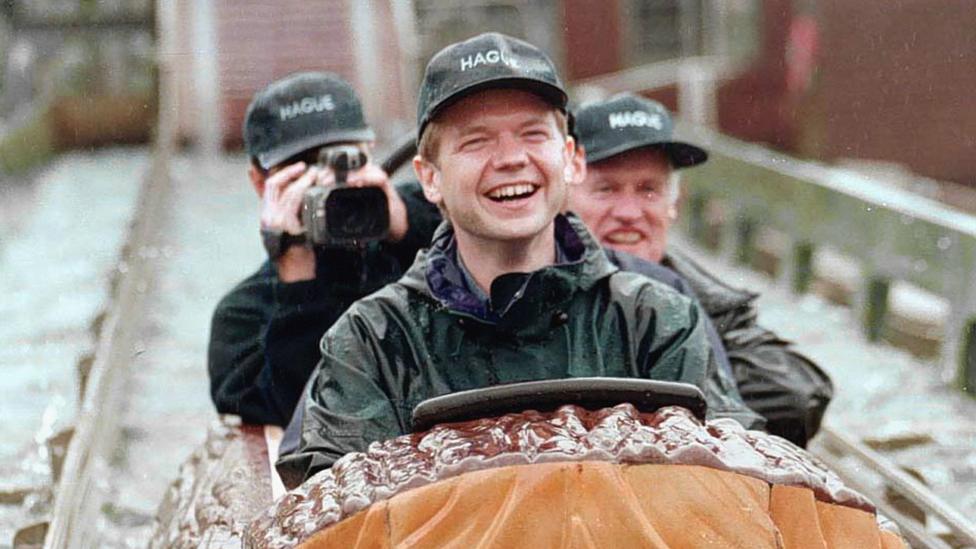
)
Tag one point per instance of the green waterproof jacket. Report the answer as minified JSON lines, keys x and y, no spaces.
{"x":428,"y":335}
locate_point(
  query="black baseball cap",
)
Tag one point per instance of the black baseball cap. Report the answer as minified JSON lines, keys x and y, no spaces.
{"x":489,"y":60}
{"x":299,"y":112}
{"x":626,"y":122}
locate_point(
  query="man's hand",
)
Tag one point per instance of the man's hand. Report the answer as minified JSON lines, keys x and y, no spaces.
{"x":282,"y":198}
{"x":280,"y":205}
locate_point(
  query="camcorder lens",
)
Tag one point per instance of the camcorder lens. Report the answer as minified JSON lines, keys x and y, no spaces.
{"x":357,"y":213}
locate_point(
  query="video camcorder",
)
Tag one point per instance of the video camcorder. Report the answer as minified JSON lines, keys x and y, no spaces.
{"x":340,"y":215}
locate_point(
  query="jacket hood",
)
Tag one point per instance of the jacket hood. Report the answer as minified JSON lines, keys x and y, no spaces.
{"x":436,"y":272}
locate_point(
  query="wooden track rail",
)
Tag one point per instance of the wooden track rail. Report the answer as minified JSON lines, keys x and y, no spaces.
{"x":78,"y":499}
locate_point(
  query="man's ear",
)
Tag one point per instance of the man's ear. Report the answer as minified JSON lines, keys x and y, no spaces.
{"x":569,"y":152}
{"x":257,"y":178}
{"x":579,"y":165}
{"x":430,"y":179}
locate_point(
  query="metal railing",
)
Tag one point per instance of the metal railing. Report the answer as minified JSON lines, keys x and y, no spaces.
{"x":896,"y":235}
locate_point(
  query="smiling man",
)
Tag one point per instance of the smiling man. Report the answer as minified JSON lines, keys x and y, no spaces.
{"x":510,"y":290}
{"x":628,"y":198}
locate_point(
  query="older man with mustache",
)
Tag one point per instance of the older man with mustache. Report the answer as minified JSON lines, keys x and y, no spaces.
{"x":628,"y":198}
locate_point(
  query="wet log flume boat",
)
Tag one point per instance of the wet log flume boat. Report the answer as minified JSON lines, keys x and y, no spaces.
{"x":574,"y":477}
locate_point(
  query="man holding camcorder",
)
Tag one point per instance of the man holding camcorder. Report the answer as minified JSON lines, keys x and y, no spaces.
{"x":335,"y":229}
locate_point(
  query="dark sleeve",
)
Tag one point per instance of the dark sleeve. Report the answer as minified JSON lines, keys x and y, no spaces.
{"x":292,"y":436}
{"x":685,"y":355}
{"x":264,"y":343}
{"x":661,"y":273}
{"x":348,"y":404}
{"x":783,"y":386}
{"x":235,"y":355}
{"x":303,"y":312}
